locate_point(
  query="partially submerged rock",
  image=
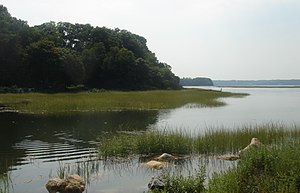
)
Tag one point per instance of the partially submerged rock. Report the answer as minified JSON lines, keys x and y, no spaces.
{"x":72,"y":184}
{"x":165,"y":157}
{"x":254,"y":144}
{"x":229,"y":157}
{"x":155,"y":164}
{"x":156,"y":183}
{"x":54,"y":185}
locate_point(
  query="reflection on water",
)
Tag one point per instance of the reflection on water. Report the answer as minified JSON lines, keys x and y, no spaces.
{"x":34,"y":148}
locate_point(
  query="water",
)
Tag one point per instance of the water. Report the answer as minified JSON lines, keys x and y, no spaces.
{"x":32,"y":148}
{"x":262,"y":106}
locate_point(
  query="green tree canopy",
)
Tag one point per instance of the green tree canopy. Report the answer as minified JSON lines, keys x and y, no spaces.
{"x":57,"y":55}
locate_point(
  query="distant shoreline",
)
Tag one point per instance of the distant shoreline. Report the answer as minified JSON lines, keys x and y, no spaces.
{"x":258,"y":83}
{"x":260,"y":86}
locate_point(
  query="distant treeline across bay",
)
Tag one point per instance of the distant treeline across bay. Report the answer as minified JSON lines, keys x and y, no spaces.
{"x":202,"y":81}
{"x":256,"y":82}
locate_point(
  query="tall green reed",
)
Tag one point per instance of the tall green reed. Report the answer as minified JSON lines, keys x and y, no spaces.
{"x":272,"y":169}
{"x":5,"y":183}
{"x":214,"y":141}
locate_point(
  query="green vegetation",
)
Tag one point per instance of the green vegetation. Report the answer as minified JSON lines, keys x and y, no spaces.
{"x":196,"y":82}
{"x":274,"y":170}
{"x":109,"y":101}
{"x":147,"y":143}
{"x":271,"y":169}
{"x":53,"y":56}
{"x":179,"y":183}
{"x":85,"y":168}
{"x":213,"y":142}
{"x":4,"y":183}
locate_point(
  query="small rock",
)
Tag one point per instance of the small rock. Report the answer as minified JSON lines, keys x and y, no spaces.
{"x":255,"y":143}
{"x":165,"y":156}
{"x":54,"y":185}
{"x":154,"y":164}
{"x":156,"y":183}
{"x":72,"y":184}
{"x":229,"y":157}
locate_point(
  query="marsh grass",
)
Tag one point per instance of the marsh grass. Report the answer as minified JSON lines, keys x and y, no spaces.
{"x":274,"y":168}
{"x":40,"y":103}
{"x":213,"y":142}
{"x":4,"y":183}
{"x":144,"y":143}
{"x":87,"y":169}
{"x":177,"y":182}
{"x":264,"y":170}
{"x":219,"y":141}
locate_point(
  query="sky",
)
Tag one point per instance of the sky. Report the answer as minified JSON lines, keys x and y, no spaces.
{"x":219,"y":39}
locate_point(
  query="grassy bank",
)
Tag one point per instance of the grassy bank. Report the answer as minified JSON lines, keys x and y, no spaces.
{"x":108,"y":101}
{"x":274,"y":170}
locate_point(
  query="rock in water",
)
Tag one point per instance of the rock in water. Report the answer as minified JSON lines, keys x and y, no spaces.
{"x":156,"y":183}
{"x":154,"y":164}
{"x":255,"y":143}
{"x":72,"y":184}
{"x":54,"y":185}
{"x":228,"y":157}
{"x":165,"y":156}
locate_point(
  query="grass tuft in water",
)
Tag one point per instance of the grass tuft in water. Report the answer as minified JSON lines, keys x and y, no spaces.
{"x":5,"y":183}
{"x":84,"y":168}
{"x":146,"y":143}
{"x":177,"y":182}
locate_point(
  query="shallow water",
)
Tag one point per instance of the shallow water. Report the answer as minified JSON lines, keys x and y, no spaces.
{"x":34,"y":148}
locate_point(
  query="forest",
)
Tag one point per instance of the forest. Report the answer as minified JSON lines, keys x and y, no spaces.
{"x":57,"y":56}
{"x":198,"y":81}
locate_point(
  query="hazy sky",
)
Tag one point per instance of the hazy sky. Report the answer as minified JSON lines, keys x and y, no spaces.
{"x":220,"y":39}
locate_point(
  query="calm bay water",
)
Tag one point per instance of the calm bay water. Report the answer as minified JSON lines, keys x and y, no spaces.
{"x":32,"y":148}
{"x":262,"y":106}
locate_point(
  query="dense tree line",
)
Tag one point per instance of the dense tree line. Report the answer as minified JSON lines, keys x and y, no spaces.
{"x":58,"y":55}
{"x":199,"y":81}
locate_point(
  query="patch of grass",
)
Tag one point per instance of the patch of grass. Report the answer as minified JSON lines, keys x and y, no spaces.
{"x":117,"y":145}
{"x":109,"y":101}
{"x":163,"y":141}
{"x":213,"y":142}
{"x":273,"y":170}
{"x":179,"y":183}
{"x":220,"y":141}
{"x":145,"y":143}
